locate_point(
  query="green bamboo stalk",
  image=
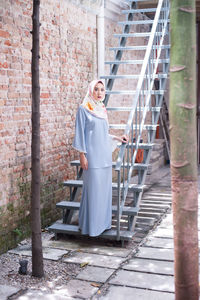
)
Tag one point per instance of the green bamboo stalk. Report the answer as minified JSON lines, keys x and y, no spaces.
{"x":184,"y":148}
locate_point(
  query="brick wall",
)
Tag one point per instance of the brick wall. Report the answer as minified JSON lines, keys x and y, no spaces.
{"x":68,"y":62}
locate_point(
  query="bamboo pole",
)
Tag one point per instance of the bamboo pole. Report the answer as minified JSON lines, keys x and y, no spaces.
{"x":184,"y":148}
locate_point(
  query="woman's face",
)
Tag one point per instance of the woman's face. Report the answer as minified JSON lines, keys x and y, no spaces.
{"x":99,"y":92}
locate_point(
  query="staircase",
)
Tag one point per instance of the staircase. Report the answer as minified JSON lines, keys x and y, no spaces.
{"x":146,"y":100}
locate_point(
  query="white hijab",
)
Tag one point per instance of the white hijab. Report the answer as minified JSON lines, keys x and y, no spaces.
{"x":95,"y":107}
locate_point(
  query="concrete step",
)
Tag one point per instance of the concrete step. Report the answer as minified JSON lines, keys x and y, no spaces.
{"x":153,"y":205}
{"x":154,"y":215}
{"x":159,"y":202}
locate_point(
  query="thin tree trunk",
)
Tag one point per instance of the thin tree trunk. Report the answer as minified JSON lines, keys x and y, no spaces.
{"x":37,"y":257}
{"x":184,"y":148}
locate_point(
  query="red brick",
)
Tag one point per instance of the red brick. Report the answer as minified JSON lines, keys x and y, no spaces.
{"x":20,"y":109}
{"x":13,"y":95}
{"x":4,"y":65}
{"x":4,"y":34}
{"x":7,"y":43}
{"x":44,"y":95}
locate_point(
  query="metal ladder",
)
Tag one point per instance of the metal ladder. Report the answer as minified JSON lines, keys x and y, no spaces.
{"x":145,"y":99}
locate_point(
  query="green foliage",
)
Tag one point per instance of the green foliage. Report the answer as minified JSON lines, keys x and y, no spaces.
{"x":18,"y":232}
{"x":10,"y":207}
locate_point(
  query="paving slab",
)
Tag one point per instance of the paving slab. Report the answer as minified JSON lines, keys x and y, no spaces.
{"x":157,"y":242}
{"x":36,"y":295}
{"x":150,"y":266}
{"x":122,"y":292}
{"x":156,"y":253}
{"x":77,"y":288}
{"x":144,"y":280}
{"x":48,"y":253}
{"x":166,"y":233}
{"x":7,"y":291}
{"x":163,"y":233}
{"x":81,"y":246}
{"x":166,"y":226}
{"x":95,"y":260}
{"x":168,"y":220}
{"x":161,"y":243}
{"x":96,"y":274}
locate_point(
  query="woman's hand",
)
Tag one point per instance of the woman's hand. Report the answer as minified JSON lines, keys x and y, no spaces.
{"x":83,"y":161}
{"x":123,"y":139}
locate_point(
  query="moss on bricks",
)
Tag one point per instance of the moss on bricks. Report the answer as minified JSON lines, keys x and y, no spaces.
{"x":15,"y":216}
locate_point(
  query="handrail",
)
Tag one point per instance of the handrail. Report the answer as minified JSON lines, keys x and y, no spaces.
{"x":141,"y":103}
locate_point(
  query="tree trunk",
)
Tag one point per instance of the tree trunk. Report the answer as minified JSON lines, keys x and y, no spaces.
{"x":184,"y":148}
{"x":37,"y":257}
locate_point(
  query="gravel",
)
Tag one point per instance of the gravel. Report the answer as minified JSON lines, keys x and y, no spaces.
{"x":57,"y":273}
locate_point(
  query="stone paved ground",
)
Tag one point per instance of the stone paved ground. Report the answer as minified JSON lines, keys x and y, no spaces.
{"x":138,"y":271}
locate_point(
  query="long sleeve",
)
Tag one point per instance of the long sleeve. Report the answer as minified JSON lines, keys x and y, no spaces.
{"x":79,"y":139}
{"x":113,"y":142}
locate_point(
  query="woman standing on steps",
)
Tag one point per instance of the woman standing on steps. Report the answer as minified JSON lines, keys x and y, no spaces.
{"x":94,"y":143}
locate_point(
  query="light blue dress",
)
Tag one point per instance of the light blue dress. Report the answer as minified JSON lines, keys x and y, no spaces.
{"x":92,"y":138}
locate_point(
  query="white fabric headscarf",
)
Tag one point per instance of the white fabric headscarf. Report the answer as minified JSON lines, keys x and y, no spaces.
{"x":95,"y":107}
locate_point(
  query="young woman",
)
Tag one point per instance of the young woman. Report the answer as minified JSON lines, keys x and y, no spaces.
{"x":94,"y":143}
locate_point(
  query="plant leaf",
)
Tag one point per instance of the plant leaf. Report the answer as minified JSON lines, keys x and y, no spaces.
{"x":84,"y":264}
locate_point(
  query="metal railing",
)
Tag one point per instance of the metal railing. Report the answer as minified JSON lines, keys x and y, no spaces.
{"x":140,"y":106}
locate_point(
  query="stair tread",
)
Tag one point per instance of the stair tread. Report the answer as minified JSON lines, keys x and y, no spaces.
{"x":136,"y":61}
{"x":79,"y":183}
{"x":123,"y":126}
{"x":126,"y":108}
{"x":137,"y":165}
{"x":144,"y":146}
{"x":139,"y":1}
{"x":133,"y":92}
{"x":143,"y":47}
{"x":138,"y":22}
{"x":74,"y":229}
{"x":133,"y":76}
{"x":137,"y":34}
{"x":141,"y":10}
{"x":127,"y":210}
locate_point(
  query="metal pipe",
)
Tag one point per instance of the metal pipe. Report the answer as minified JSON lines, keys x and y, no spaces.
{"x":101,"y":40}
